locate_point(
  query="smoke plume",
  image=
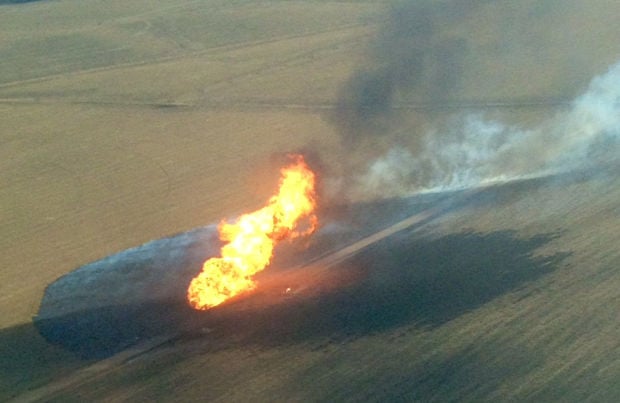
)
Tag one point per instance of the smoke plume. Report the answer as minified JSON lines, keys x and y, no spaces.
{"x":472,"y":150}
{"x":408,"y":57}
{"x":429,"y":55}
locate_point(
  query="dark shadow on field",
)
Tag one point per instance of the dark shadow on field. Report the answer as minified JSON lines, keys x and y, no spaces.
{"x":102,"y":332}
{"x":28,"y":361}
{"x":405,"y":280}
{"x":408,"y":279}
{"x":431,"y":281}
{"x":98,"y":331}
{"x":4,"y":2}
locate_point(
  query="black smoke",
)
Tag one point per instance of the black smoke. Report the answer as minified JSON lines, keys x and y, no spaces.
{"x":455,"y":94}
{"x":410,"y":62}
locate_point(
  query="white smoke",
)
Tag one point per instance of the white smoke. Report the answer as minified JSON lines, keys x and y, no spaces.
{"x":475,"y":151}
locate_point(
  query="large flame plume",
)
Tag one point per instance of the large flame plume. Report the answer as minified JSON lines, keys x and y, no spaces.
{"x":251,"y":239}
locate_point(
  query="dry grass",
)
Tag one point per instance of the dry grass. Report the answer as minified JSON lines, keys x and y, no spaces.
{"x":92,"y":163}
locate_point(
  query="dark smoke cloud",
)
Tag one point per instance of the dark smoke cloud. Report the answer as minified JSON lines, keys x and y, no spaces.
{"x":472,"y":150}
{"x":407,"y":62}
{"x":498,"y":52}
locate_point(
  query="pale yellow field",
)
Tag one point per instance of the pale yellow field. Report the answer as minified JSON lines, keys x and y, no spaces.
{"x":122,"y":122}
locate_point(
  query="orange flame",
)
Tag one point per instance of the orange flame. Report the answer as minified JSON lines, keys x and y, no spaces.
{"x":250,"y":240}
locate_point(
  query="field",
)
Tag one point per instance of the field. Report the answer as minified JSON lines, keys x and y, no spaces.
{"x":123,"y":122}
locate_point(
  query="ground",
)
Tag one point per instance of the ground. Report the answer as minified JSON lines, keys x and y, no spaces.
{"x":125,"y":122}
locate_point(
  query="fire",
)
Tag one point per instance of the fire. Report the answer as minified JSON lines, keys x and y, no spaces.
{"x":249,"y":242}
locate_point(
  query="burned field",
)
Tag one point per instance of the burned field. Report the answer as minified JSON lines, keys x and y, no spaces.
{"x":486,"y":286}
{"x":127,"y":122}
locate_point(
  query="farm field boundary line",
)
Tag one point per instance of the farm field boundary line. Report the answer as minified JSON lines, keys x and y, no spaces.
{"x":179,"y":56}
{"x":277,"y":105}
